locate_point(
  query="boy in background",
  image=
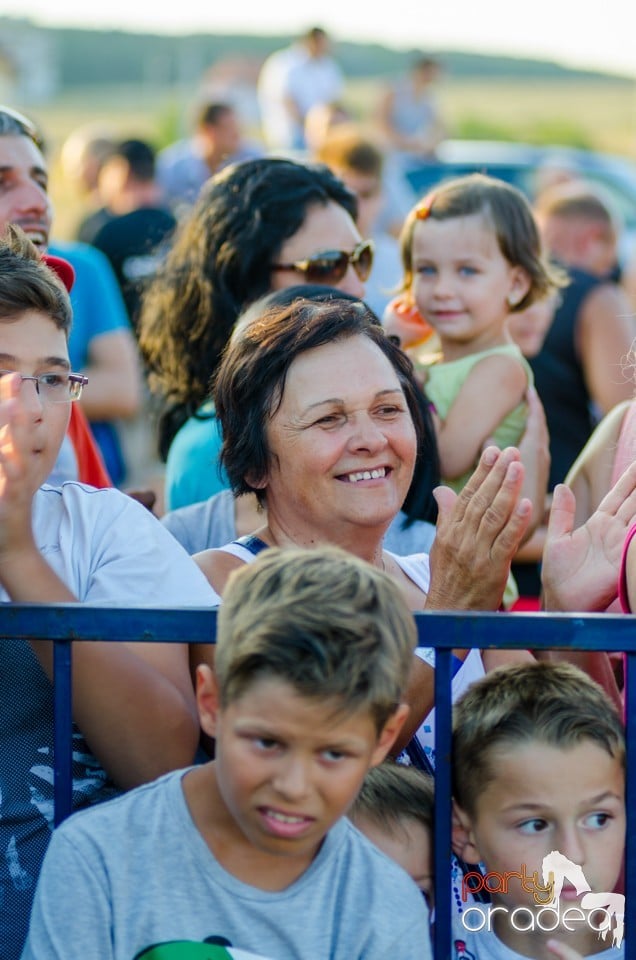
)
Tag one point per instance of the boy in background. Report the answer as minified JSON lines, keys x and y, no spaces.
{"x":539,"y":778}
{"x":252,"y":849}
{"x":395,"y":810}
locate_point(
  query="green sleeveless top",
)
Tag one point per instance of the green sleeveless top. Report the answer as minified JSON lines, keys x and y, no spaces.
{"x":444,"y":382}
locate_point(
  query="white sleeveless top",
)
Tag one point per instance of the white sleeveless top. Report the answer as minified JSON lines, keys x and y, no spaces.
{"x":417,"y":568}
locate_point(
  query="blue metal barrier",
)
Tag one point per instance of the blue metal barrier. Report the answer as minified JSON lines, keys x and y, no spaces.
{"x":65,"y":623}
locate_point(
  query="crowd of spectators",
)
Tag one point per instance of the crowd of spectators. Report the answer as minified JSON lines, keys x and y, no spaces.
{"x":247,"y":306}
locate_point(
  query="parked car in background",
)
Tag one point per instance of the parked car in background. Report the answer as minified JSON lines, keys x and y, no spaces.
{"x":527,"y":167}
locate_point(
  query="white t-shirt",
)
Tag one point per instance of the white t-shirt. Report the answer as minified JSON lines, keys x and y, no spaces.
{"x":291,"y":74}
{"x":109,"y":549}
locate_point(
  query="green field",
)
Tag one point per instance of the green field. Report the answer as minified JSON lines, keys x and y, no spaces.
{"x":597,"y":114}
{"x":600,"y":116}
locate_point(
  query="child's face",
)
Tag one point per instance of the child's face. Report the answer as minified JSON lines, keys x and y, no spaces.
{"x":409,"y":844}
{"x":462,"y":282}
{"x":33,"y":345}
{"x":287,"y":767}
{"x":542,"y":799}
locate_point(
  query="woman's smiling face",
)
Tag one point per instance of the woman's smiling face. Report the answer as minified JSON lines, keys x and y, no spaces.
{"x":342,"y":442}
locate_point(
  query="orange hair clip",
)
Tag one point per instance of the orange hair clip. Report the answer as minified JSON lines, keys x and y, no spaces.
{"x":423,"y":210}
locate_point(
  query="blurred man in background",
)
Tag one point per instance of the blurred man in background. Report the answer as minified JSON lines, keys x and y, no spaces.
{"x":291,"y":82}
{"x":184,"y":166}
{"x":101,"y":345}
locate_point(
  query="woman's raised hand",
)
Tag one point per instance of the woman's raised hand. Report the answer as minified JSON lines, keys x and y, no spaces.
{"x":478,"y":534}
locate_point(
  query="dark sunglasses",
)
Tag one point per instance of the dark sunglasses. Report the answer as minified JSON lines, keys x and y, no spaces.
{"x":330,"y":266}
{"x":27,"y":127}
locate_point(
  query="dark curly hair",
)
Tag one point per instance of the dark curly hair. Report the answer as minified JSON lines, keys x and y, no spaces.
{"x":219,"y":264}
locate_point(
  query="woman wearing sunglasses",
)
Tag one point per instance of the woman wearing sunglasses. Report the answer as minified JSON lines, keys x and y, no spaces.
{"x":258,"y":226}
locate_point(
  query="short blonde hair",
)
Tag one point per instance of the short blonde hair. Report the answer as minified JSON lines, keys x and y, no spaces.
{"x":392,"y":793}
{"x":553,"y":703}
{"x":327,"y":623}
{"x":347,"y":148}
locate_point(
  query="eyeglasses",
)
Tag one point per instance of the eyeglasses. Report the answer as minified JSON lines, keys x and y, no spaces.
{"x":11,"y":121}
{"x":55,"y":387}
{"x":330,"y":266}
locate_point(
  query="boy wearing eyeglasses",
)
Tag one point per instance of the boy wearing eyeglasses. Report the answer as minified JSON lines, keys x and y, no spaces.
{"x":134,"y":704}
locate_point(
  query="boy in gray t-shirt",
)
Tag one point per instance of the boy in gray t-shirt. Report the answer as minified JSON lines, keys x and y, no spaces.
{"x":252,"y":850}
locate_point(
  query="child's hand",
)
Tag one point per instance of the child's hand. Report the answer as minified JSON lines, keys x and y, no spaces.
{"x":16,"y":468}
{"x":403,"y":320}
{"x":561,"y":950}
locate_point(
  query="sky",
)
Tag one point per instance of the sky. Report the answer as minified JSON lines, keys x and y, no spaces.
{"x":576,"y":34}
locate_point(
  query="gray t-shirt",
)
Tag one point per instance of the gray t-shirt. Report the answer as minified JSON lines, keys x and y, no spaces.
{"x":135,"y":872}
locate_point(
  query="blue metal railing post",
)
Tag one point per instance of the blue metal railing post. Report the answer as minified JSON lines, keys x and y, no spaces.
{"x":63,"y":739}
{"x":64,"y":623}
{"x":443,"y":793}
{"x":630,"y":802}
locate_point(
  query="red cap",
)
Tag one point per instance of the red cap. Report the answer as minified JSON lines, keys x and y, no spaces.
{"x":62,"y":268}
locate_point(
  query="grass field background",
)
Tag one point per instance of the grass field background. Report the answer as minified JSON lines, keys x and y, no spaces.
{"x":599,"y":115}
